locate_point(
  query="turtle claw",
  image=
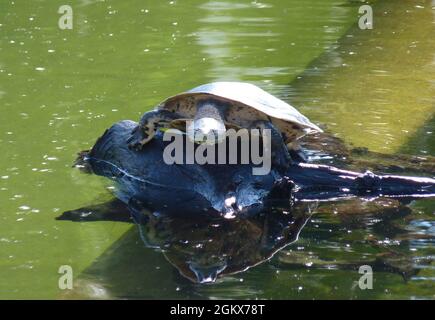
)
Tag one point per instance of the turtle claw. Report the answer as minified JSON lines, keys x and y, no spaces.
{"x":137,"y":139}
{"x":136,"y":146}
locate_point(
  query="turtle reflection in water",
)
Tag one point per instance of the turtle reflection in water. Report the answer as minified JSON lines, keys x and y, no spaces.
{"x":198,"y":193}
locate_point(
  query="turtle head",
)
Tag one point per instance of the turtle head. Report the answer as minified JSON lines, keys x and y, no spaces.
{"x":206,"y":130}
{"x":208,"y":126}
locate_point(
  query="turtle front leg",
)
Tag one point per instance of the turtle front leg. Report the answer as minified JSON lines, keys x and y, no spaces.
{"x":280,"y":156}
{"x":150,"y":122}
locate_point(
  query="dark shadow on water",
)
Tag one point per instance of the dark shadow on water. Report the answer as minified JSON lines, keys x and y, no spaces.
{"x":423,"y":142}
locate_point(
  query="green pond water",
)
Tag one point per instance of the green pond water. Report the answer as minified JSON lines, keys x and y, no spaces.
{"x":60,"y":89}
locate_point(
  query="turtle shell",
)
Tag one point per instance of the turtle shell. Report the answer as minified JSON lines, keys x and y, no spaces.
{"x":248,"y":103}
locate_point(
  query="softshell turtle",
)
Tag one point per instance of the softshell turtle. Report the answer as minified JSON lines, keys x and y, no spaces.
{"x":216,"y":106}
